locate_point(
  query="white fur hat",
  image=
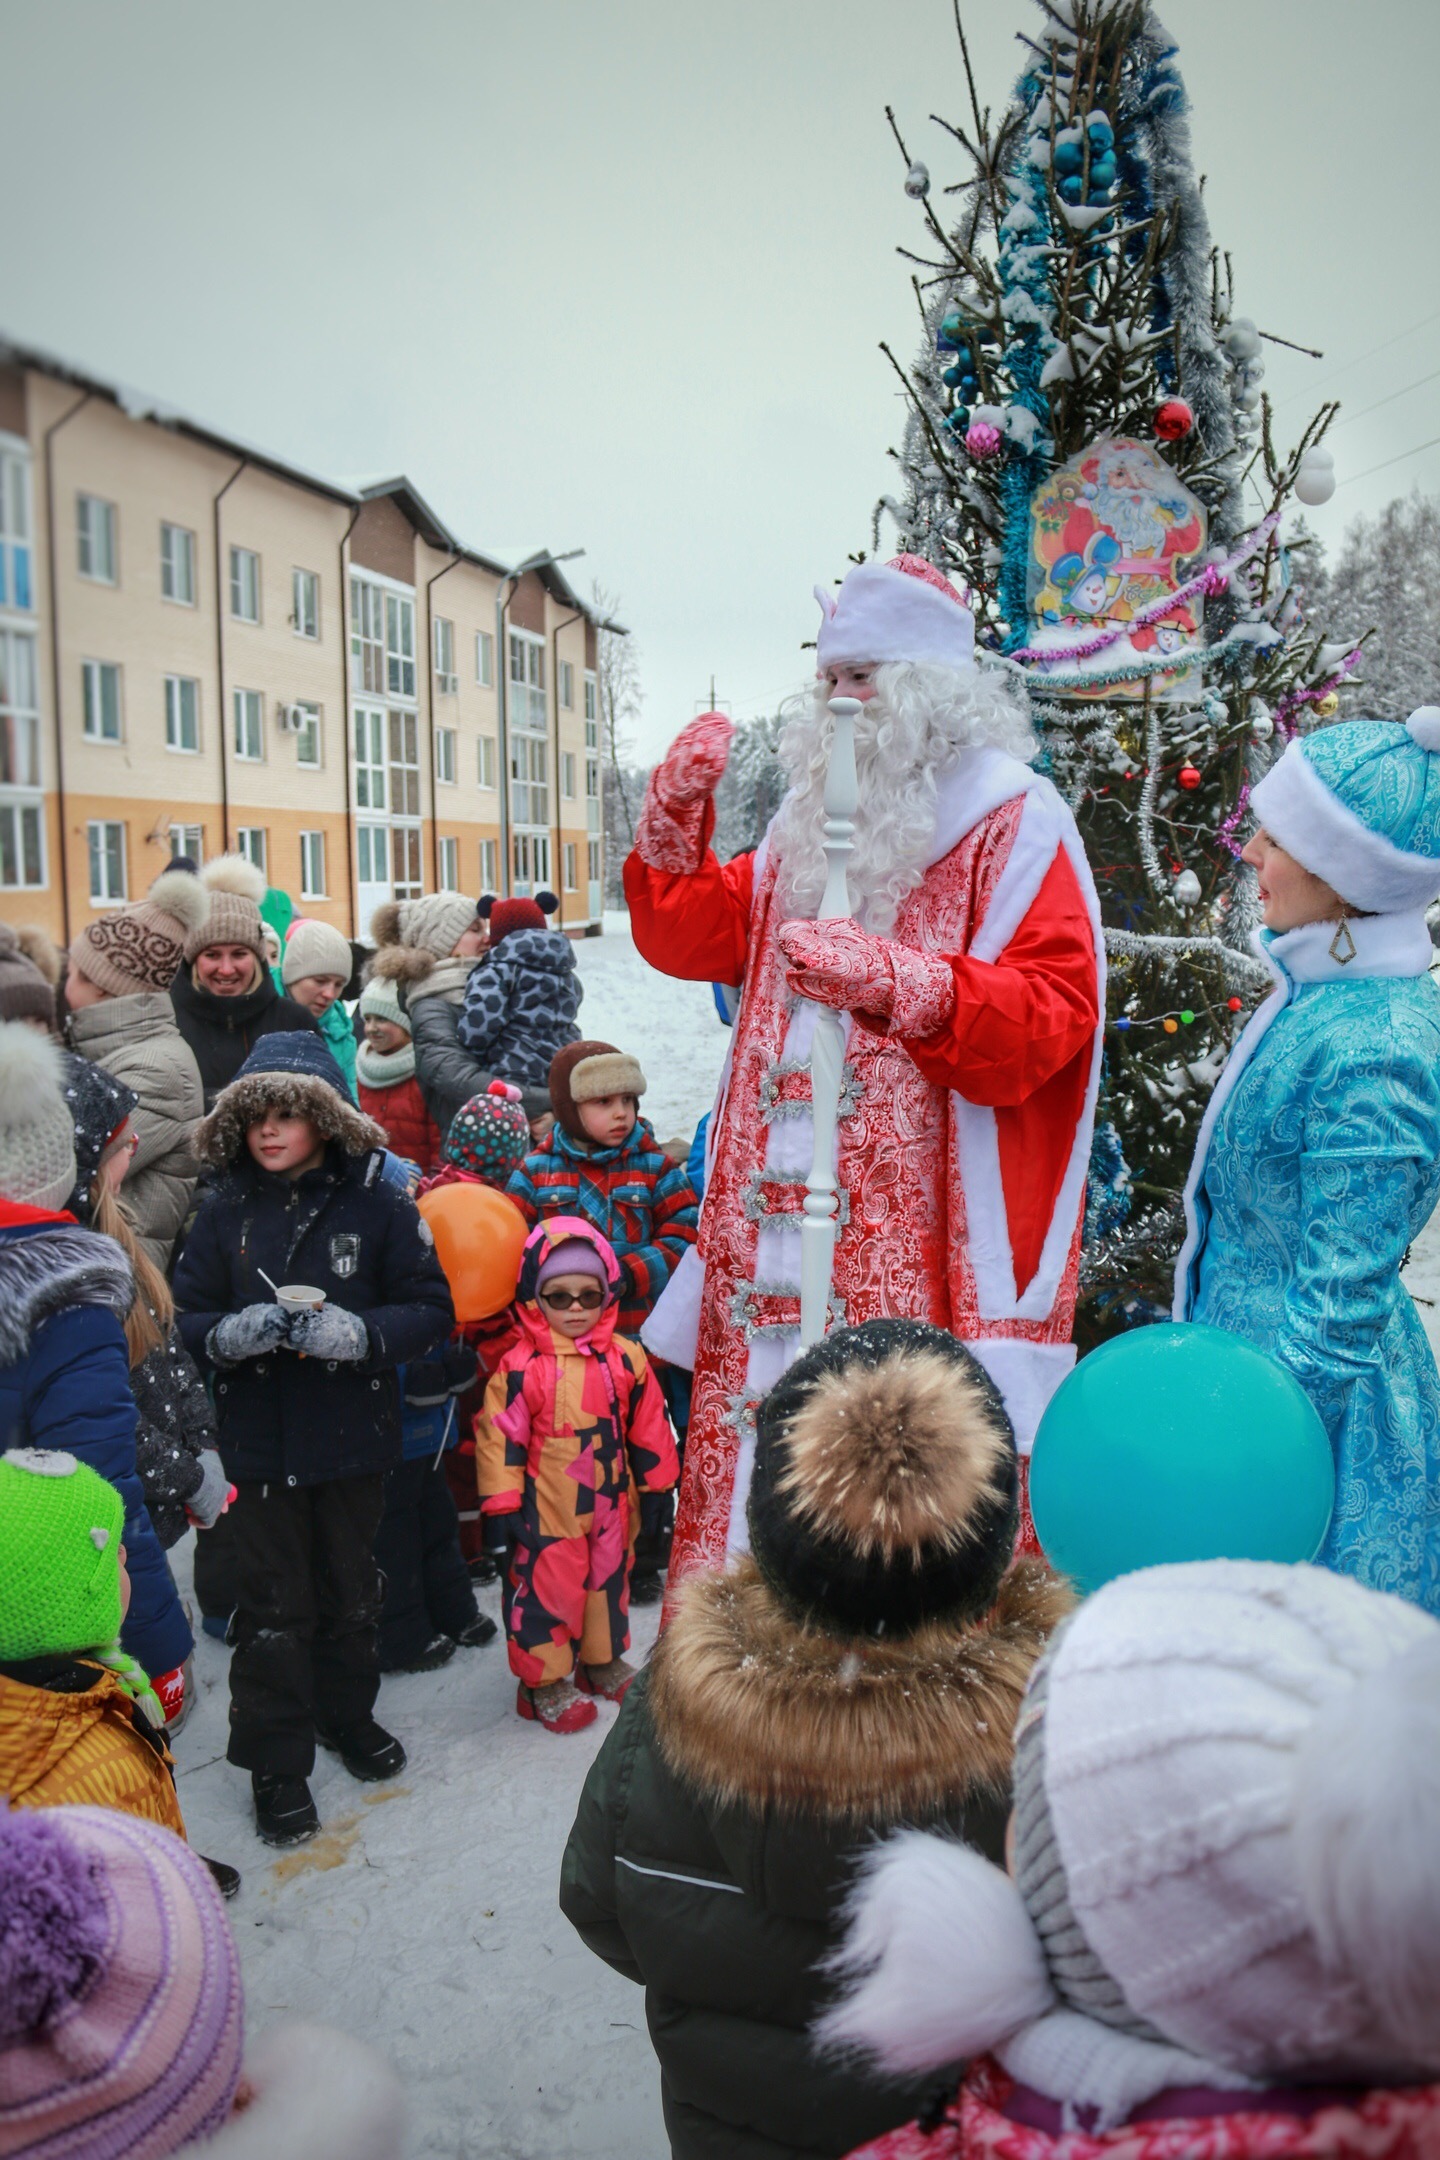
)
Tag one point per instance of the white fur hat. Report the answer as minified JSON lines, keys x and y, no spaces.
{"x":900,"y":610}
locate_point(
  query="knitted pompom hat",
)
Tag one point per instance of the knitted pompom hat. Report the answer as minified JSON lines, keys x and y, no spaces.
{"x":900,"y":610}
{"x":296,"y":1071}
{"x":1358,"y":804}
{"x":140,"y":948}
{"x":586,"y":1071}
{"x":60,"y":1531}
{"x":37,"y":1133}
{"x":315,"y":948}
{"x":232,"y":916}
{"x":489,"y":1136}
{"x":434,"y":924}
{"x":508,"y":915}
{"x":120,"y":1999}
{"x":884,"y":1492}
{"x":380,"y":1000}
{"x":25,"y":992}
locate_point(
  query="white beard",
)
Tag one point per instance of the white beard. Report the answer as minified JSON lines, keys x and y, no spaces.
{"x":906,"y":737}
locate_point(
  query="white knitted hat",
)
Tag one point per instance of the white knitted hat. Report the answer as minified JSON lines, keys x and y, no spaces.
{"x":37,"y":1131}
{"x":314,"y":948}
{"x":380,"y":1000}
{"x":434,"y":924}
{"x":900,"y":610}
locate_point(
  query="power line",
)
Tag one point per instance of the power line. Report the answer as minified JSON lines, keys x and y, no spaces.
{"x":1367,"y":354}
{"x":1366,"y":410}
{"x":1385,"y":462}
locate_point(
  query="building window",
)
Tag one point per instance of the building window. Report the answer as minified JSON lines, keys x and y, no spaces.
{"x":107,"y":861}
{"x":99,"y":555}
{"x":399,"y":645}
{"x":449,"y":866}
{"x":307,"y":735}
{"x":567,"y":772}
{"x":177,"y":565}
{"x":485,"y":659}
{"x":592,"y":793}
{"x":305,"y":603}
{"x":19,"y":711}
{"x":527,"y":682}
{"x":567,"y":685}
{"x":370,"y":844}
{"x":489,"y":874}
{"x":312,"y":866}
{"x":404,"y":764}
{"x":572,"y":867}
{"x":406,"y":875}
{"x":369,"y":759}
{"x":188,"y":840}
{"x":530,"y":774}
{"x":367,"y":634}
{"x":445,"y":755}
{"x":182,"y":713}
{"x":446,"y":680}
{"x":244,"y":584}
{"x":485,"y":761}
{"x":101,"y":683}
{"x":532,"y":861}
{"x":22,"y":865}
{"x":592,"y":712}
{"x":249,"y":738}
{"x":16,"y":588}
{"x":250,"y":842}
{"x":593,"y":852}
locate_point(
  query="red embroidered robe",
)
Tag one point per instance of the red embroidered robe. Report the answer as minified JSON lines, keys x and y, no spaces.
{"x":961,"y":1155}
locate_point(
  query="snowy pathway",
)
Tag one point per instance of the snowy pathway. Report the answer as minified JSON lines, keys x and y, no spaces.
{"x":425,"y":1918}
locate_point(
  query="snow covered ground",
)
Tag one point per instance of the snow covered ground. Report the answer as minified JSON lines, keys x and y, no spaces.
{"x":424,"y":1919}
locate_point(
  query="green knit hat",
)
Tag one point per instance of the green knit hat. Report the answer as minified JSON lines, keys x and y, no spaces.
{"x":60,"y":1531}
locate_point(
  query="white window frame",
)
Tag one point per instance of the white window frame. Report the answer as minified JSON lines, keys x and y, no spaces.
{"x":20,"y":746}
{"x":17,"y":585}
{"x":593,"y":861}
{"x":188,"y":840}
{"x":445,"y":754}
{"x":485,"y":659}
{"x":177,"y":564}
{"x":567,"y":685}
{"x":372,"y":767}
{"x":572,"y":866}
{"x":367,"y":634}
{"x":97,"y":539}
{"x":242,"y":734}
{"x":244,"y":572}
{"x":93,"y":675}
{"x":448,"y":851}
{"x":305,"y":603}
{"x":110,"y":861}
{"x":310,"y":736}
{"x":312,"y":861}
{"x":592,"y":709}
{"x":22,"y":844}
{"x":175,"y":701}
{"x":567,"y":775}
{"x":447,"y":682}
{"x":399,"y":644}
{"x":252,"y":841}
{"x":485,"y":763}
{"x":489,"y":865}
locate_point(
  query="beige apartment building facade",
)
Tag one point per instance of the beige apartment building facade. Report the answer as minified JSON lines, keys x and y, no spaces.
{"x":203,"y":648}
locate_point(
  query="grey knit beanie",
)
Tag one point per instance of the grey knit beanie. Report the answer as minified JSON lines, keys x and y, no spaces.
{"x":37,"y":1134}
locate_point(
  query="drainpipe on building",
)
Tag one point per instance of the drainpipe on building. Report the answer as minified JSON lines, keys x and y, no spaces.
{"x":559,"y":864}
{"x":220,"y":656}
{"x":355,"y":929}
{"x":512,"y":578}
{"x":50,"y":433}
{"x":430,"y":678}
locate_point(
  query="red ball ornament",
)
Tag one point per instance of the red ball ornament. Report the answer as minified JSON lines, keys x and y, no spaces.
{"x":1173,"y":420}
{"x":1189,"y":776}
{"x":1235,"y":1004}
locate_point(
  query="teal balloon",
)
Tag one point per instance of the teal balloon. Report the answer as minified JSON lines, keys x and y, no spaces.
{"x":1178,"y":1443}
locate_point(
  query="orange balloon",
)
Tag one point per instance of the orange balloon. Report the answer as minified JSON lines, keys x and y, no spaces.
{"x":479,"y":1237}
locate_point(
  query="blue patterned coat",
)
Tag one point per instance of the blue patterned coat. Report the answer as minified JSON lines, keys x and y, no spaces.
{"x":1318,"y":1162}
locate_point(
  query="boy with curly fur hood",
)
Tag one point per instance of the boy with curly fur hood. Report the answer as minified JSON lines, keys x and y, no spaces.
{"x":308,"y":1402}
{"x":860,"y":1669}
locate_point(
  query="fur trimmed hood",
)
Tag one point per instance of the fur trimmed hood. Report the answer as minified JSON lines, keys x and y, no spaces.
{"x":220,"y":1137}
{"x":756,"y":1709}
{"x":42,"y":1271}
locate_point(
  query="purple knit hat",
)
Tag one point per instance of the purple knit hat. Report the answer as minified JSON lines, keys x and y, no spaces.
{"x":577,"y":1256}
{"x":120,"y":2002}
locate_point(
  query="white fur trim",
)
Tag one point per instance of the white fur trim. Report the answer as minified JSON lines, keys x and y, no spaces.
{"x":1083,"y":2064}
{"x":1027,"y":1375}
{"x":609,"y":1072}
{"x":883,"y":614}
{"x":318,"y":2094}
{"x":673,"y":1328}
{"x":940,"y":1955}
{"x":42,"y":1462}
{"x":1296,"y":808}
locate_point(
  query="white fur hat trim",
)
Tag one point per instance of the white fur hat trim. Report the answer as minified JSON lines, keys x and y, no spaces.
{"x":1296,"y":808}
{"x":885,"y":614}
{"x":43,"y":1462}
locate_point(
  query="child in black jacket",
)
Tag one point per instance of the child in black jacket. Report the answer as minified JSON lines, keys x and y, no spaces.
{"x":308,"y":1402}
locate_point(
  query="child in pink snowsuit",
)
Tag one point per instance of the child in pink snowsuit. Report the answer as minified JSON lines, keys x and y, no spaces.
{"x":574,"y":1430}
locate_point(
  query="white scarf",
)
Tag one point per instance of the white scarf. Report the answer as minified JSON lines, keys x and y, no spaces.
{"x":384,"y":1068}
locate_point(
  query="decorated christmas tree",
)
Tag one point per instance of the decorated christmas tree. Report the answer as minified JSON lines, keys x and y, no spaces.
{"x":1090,"y":452}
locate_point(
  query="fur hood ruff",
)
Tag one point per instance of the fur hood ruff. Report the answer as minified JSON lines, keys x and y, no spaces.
{"x":754,"y":1708}
{"x":220,"y":1137}
{"x":46,"y":1270}
{"x":420,"y":974}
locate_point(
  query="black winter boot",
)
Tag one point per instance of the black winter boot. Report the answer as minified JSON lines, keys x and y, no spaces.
{"x":435,"y":1653}
{"x":284,"y":1811}
{"x":481,"y":1630}
{"x":226,"y":1878}
{"x":367,"y":1751}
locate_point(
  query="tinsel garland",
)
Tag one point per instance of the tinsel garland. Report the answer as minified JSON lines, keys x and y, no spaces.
{"x":1212,"y":580}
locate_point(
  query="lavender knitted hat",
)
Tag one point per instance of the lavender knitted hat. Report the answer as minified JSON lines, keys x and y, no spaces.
{"x":120,"y":2002}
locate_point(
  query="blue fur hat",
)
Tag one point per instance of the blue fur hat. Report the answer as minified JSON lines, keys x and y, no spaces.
{"x":1358,"y":804}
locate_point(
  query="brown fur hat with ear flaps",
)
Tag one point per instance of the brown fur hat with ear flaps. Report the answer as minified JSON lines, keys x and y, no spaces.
{"x":885,"y":1489}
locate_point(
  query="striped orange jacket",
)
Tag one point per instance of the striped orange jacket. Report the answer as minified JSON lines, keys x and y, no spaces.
{"x":59,"y":1750}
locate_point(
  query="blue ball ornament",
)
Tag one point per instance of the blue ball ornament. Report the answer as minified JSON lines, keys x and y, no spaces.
{"x":952,"y":326}
{"x":1100,"y":132}
{"x":1178,"y":1443}
{"x":1069,"y":157}
{"x":1072,"y":188}
{"x":1123,"y":1024}
{"x":1102,"y":171}
{"x":950,"y":376}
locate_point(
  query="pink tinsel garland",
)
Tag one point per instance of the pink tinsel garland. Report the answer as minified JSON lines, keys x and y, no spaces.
{"x":1212,"y":580}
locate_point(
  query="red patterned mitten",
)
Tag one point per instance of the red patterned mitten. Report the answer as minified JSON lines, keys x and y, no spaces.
{"x":892,"y":988}
{"x":671,"y":834}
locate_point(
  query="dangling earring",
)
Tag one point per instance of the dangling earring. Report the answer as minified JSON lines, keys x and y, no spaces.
{"x":1342,"y":945}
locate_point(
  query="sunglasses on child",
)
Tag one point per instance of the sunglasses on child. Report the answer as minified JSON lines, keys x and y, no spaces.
{"x":562,"y":1300}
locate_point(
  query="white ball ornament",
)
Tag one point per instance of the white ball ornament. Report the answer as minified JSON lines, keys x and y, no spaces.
{"x":1186,"y":888}
{"x":1424,"y":725}
{"x":1262,"y":727}
{"x":917,"y":181}
{"x":1242,"y":339}
{"x":1314,"y":484}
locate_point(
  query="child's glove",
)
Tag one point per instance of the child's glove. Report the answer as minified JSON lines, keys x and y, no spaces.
{"x":252,"y":1332}
{"x":425,"y":1383}
{"x":211,"y":1496}
{"x":330,"y":1332}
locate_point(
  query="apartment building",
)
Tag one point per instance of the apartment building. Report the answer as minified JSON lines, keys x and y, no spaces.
{"x":202,"y":647}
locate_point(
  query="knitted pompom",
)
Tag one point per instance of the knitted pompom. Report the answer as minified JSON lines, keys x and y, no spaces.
{"x":29,"y":1066}
{"x":1424,"y":725}
{"x":53,"y":1923}
{"x":385,"y":924}
{"x":40,"y":950}
{"x":505,"y":1089}
{"x":182,"y":896}
{"x":234,"y":874}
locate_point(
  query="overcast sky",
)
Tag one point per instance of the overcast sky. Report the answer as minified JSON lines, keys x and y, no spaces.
{"x":612,"y":274}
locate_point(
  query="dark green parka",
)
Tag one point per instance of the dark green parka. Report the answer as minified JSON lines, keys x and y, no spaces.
{"x":751,"y":1765}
